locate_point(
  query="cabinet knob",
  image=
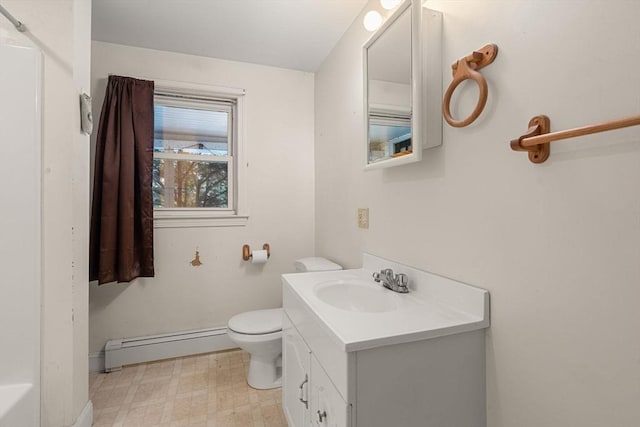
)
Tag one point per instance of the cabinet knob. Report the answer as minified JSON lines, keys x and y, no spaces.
{"x":322,"y":416}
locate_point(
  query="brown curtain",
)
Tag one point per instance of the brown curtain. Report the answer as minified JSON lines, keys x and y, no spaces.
{"x":121,"y":243}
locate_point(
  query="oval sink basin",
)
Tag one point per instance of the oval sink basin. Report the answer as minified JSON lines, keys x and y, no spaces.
{"x":357,"y":295}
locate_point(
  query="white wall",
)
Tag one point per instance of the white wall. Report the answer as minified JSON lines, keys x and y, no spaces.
{"x":61,"y":30}
{"x":279,"y":137}
{"x":80,"y":205}
{"x":557,"y":244}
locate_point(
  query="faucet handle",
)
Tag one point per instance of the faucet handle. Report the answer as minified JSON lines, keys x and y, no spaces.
{"x":376,"y":277}
{"x":402,"y":280}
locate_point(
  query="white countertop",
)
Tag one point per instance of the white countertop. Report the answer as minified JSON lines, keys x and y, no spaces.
{"x":435,"y":307}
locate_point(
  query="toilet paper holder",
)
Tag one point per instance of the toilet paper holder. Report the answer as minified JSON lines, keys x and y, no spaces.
{"x":246,"y":251}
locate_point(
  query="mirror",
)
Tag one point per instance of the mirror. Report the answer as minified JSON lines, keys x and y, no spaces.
{"x":402,"y":117}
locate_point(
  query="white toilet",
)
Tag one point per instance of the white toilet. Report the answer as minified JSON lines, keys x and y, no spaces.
{"x":259,"y":333}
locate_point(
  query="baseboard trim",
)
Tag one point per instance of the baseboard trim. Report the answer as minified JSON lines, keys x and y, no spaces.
{"x":96,"y":362}
{"x":85,"y":419}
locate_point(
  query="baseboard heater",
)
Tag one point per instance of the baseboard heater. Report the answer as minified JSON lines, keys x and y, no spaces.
{"x":127,"y":351}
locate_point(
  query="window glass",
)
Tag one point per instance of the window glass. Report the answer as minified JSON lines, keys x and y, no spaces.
{"x":190,"y":184}
{"x":191,"y":131}
{"x":192,"y":154}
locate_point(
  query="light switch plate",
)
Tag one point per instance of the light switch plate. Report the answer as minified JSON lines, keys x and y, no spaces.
{"x":363,"y":217}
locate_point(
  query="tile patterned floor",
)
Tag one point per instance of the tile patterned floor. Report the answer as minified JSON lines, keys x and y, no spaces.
{"x":199,"y":391}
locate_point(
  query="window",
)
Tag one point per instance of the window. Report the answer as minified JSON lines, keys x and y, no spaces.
{"x":198,"y":157}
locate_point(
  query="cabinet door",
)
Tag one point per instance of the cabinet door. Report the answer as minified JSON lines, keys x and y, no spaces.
{"x":295,"y":376}
{"x":328,"y":408}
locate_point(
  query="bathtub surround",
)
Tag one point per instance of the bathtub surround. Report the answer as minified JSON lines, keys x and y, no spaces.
{"x":20,"y":254}
{"x":557,"y":244}
{"x":62,"y":31}
{"x":279,"y":141}
{"x":121,"y":242}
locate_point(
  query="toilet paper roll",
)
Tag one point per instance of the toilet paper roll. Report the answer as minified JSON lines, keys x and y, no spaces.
{"x":259,"y":257}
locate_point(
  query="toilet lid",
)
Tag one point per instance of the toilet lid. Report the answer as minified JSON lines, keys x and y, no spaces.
{"x":257,"y":322}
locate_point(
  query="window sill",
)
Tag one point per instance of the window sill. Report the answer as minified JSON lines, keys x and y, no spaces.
{"x":197,"y":220}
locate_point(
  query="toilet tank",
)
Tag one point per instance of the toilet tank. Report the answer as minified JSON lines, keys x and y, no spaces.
{"x":315,"y":264}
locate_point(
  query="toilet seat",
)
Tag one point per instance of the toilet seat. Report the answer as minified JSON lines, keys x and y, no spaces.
{"x":257,"y":322}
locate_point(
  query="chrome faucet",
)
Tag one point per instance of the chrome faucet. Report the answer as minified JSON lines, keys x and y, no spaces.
{"x":397,"y":283}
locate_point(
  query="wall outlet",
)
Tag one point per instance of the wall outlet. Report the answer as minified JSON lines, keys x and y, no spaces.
{"x":363,"y":217}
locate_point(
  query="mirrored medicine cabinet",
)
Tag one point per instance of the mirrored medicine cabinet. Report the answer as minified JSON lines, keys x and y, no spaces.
{"x":403,"y":87}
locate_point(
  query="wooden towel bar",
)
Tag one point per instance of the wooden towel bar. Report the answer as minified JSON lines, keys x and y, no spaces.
{"x":537,"y":139}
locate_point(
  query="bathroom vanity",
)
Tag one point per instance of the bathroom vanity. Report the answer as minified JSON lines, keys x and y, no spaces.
{"x":357,"y":354}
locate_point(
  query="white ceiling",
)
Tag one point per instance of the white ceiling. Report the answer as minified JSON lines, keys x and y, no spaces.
{"x":296,"y":34}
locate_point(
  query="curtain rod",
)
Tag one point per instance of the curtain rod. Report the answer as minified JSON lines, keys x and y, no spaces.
{"x":19,"y":25}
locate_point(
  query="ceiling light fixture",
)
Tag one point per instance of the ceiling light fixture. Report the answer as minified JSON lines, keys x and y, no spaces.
{"x":372,"y":20}
{"x":389,"y":4}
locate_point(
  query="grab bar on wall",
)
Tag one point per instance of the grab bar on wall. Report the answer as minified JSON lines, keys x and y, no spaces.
{"x":536,"y":140}
{"x":19,"y":25}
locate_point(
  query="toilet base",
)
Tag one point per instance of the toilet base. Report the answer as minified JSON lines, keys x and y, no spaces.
{"x":264,"y":373}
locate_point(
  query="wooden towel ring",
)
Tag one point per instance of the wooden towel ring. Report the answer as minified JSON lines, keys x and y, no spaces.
{"x":467,"y":68}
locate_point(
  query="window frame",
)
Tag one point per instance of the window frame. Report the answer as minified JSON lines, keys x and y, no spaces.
{"x":236,"y":214}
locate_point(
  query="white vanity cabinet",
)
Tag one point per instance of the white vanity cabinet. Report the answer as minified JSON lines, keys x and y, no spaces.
{"x":309,"y":397}
{"x":420,"y":364}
